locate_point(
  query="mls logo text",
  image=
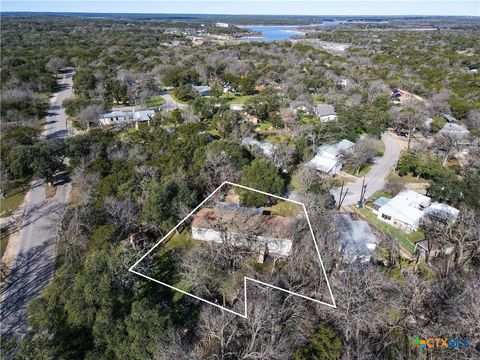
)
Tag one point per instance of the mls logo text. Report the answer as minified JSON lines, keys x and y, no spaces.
{"x":439,"y":343}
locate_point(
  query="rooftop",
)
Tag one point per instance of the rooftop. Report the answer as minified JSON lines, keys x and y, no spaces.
{"x":356,"y":238}
{"x":442,"y":211}
{"x":325,"y":110}
{"x":406,"y":207}
{"x":382,"y":200}
{"x":334,"y":150}
{"x":224,"y":219}
{"x":322,"y":163}
{"x":454,"y":129}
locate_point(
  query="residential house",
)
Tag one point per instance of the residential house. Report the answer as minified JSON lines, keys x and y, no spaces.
{"x":202,"y":90}
{"x":249,"y":227}
{"x":326,"y":112}
{"x":266,"y":148}
{"x":405,"y":210}
{"x":455,"y":130}
{"x":222,"y":25}
{"x":120,"y":117}
{"x":115,"y":117}
{"x":328,"y":158}
{"x":357,"y":241}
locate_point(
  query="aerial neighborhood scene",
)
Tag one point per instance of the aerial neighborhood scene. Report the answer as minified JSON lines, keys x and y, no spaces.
{"x":240,"y":180}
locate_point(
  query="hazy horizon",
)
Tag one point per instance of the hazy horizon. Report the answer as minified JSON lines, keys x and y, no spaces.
{"x":261,"y":7}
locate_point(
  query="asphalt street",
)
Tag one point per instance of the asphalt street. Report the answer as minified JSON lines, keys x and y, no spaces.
{"x":33,"y":266}
{"x":376,"y":177}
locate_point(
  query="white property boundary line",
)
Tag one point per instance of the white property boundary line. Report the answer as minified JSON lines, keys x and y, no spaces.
{"x":245,"y":278}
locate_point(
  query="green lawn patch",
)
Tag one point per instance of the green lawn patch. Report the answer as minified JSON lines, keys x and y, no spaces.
{"x":13,"y":199}
{"x":284,"y":208}
{"x":406,"y":179}
{"x":265,"y":125}
{"x":363,"y":171}
{"x":156,"y":100}
{"x":236,"y":99}
{"x":397,"y":234}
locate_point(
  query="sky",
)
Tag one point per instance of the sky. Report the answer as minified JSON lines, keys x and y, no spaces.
{"x":261,"y":7}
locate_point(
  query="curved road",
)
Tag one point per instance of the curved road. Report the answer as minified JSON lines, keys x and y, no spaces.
{"x":375,"y":179}
{"x":33,"y":266}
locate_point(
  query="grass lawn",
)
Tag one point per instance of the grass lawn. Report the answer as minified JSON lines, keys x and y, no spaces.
{"x":177,"y":99}
{"x":236,"y":99}
{"x":364,"y":171}
{"x":403,"y":238}
{"x":13,"y":199}
{"x":178,"y":241}
{"x":284,"y":208}
{"x":265,"y":125}
{"x":156,"y":100}
{"x":380,"y":193}
{"x":406,"y":179}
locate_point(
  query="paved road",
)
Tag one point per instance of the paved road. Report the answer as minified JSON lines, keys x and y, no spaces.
{"x":33,"y":266}
{"x":171,"y":104}
{"x":375,"y":179}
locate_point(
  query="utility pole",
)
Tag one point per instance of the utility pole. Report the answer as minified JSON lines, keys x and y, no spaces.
{"x":362,"y":193}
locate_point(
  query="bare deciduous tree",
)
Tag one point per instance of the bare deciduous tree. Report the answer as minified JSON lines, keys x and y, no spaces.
{"x":364,"y":152}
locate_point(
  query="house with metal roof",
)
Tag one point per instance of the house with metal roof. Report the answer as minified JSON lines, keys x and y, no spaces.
{"x":120,"y":117}
{"x":328,"y":158}
{"x":405,"y":210}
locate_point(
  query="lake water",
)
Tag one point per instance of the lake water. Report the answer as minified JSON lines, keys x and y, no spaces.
{"x":279,"y":32}
{"x":272,"y":33}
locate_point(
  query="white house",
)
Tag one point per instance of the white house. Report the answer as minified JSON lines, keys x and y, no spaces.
{"x":222,"y":25}
{"x":326,"y":112}
{"x":120,"y":117}
{"x":328,"y":158}
{"x":203,"y":90}
{"x":116,"y":117}
{"x":405,"y":210}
